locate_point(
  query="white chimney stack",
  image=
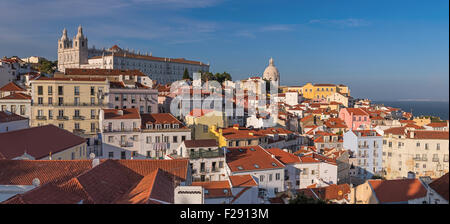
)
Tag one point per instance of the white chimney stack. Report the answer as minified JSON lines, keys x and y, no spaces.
{"x":95,"y":162}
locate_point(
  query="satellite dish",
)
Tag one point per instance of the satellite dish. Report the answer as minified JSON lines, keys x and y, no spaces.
{"x":92,"y":155}
{"x":36,"y":182}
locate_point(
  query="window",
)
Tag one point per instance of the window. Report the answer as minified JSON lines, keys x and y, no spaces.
{"x":426,"y":146}
{"x":111,"y":155}
{"x":418,"y":144}
{"x":277,"y":176}
{"x":60,"y":90}
{"x":149,"y":154}
{"x":50,"y":90}
{"x":390,"y":144}
{"x":40,"y":90}
{"x":183,"y":138}
{"x":92,"y":100}
{"x":77,"y":113}
{"x":22,"y":110}
{"x":50,"y":101}
{"x":438,"y":146}
{"x":149,"y":139}
{"x":40,"y":100}
{"x":77,"y":125}
{"x":61,"y":125}
{"x":93,"y":129}
{"x":92,"y":114}
{"x":110,"y":139}
{"x":261,"y":178}
{"x":76,"y":90}
{"x":60,"y":101}
{"x":157,"y":139}
{"x":77,"y":101}
{"x":270,"y":177}
{"x":175,"y":139}
{"x":92,"y":90}
{"x":123,"y":155}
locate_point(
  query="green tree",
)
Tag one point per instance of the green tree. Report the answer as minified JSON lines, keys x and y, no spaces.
{"x":186,"y":74}
{"x":48,"y":67}
{"x":301,"y":198}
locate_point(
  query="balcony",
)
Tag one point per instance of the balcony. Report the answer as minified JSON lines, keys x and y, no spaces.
{"x":435,"y":159}
{"x":79,"y":131}
{"x":126,"y":144}
{"x":363,"y":146}
{"x":206,"y":154}
{"x":78,"y":117}
{"x":41,"y":118}
{"x":62,"y":118}
{"x":107,"y":130}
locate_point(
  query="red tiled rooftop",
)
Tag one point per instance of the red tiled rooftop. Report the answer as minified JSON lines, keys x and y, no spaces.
{"x":388,"y":191}
{"x":201,"y":143}
{"x":17,"y":96}
{"x":284,"y":157}
{"x":437,"y":124}
{"x":8,"y":117}
{"x":37,"y":141}
{"x":130,"y":113}
{"x":429,"y":135}
{"x":160,"y":118}
{"x":250,"y":158}
{"x":11,"y":87}
{"x":102,"y":72}
{"x":242,"y":181}
{"x":441,"y":186}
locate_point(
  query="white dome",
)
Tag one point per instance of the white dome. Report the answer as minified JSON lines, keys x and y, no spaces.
{"x":271,"y":72}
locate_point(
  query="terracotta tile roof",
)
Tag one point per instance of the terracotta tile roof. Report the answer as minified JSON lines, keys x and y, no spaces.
{"x":243,"y":181}
{"x":199,"y":112}
{"x":441,"y":185}
{"x":113,"y":181}
{"x":395,"y":131}
{"x":388,"y":191}
{"x":11,"y":87}
{"x":240,"y":133}
{"x":250,"y":158}
{"x":429,"y":134}
{"x":22,"y":172}
{"x":333,"y":192}
{"x":157,"y":185}
{"x":437,"y":124}
{"x":102,"y":72}
{"x":356,"y":111}
{"x":161,"y":118}
{"x":37,"y":141}
{"x":324,"y":85}
{"x":335,"y":123}
{"x":284,"y":157}
{"x":89,"y":79}
{"x":8,"y":117}
{"x":417,"y":127}
{"x":201,"y":143}
{"x":152,"y":58}
{"x":130,"y":113}
{"x":17,"y":96}
{"x":407,"y":122}
{"x":116,"y":85}
{"x":176,"y":167}
{"x":215,"y":189}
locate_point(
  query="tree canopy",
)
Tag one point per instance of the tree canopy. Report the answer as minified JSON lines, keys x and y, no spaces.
{"x":219,"y":77}
{"x":48,"y":67}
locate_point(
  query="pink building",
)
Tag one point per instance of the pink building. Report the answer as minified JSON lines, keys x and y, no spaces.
{"x":355,"y":118}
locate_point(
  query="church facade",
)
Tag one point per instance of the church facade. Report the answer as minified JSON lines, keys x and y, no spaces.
{"x":75,"y":53}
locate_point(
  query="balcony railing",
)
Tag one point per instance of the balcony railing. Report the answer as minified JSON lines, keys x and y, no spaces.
{"x":126,"y":144}
{"x":435,"y":159}
{"x":41,"y":118}
{"x":79,"y":131}
{"x":206,"y":154}
{"x":78,"y":117}
{"x":62,"y":118}
{"x":106,"y":130}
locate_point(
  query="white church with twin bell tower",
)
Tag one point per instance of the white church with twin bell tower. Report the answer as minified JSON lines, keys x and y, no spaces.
{"x":76,"y":54}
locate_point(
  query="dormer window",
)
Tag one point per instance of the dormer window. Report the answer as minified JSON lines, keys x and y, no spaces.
{"x":166,"y":126}
{"x":176,"y":125}
{"x":149,"y":126}
{"x":158,"y":126}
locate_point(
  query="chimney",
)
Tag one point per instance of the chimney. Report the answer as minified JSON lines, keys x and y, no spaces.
{"x":411,"y":134}
{"x":36,"y":182}
{"x":95,"y":162}
{"x":120,"y":112}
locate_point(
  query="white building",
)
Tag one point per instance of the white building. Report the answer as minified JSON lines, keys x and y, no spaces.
{"x":367,"y":148}
{"x":263,"y":166}
{"x":11,"y":69}
{"x":76,"y":54}
{"x":207,"y":160}
{"x":120,"y":130}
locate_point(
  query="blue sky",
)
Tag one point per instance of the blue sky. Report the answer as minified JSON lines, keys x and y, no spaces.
{"x":384,"y":50}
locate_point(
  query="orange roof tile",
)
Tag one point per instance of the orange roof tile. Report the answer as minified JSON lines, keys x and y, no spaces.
{"x":11,"y":87}
{"x":242,"y":181}
{"x":284,"y":157}
{"x":388,"y":191}
{"x":17,"y":96}
{"x":250,"y":158}
{"x":130,"y":113}
{"x":441,"y":185}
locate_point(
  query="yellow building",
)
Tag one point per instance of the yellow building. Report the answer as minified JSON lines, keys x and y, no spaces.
{"x":421,"y":121}
{"x":320,"y":91}
{"x":238,"y":136}
{"x":200,"y":121}
{"x":69,"y":103}
{"x":286,"y":89}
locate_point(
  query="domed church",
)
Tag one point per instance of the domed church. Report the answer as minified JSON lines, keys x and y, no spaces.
{"x":271,"y":73}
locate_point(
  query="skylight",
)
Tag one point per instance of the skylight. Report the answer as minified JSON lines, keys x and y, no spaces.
{"x":274,"y":164}
{"x":252,"y":149}
{"x":256,"y":166}
{"x":240,"y":168}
